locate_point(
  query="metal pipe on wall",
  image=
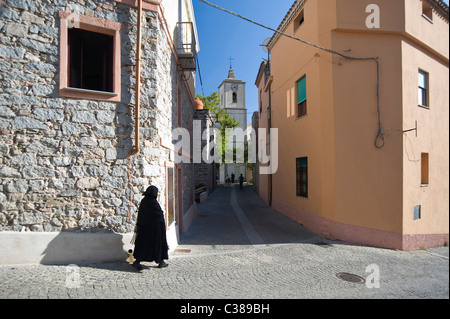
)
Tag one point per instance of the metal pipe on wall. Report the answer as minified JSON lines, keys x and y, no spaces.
{"x":137,"y":95}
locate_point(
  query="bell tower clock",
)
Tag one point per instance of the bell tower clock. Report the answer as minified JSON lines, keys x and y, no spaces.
{"x":232,"y":92}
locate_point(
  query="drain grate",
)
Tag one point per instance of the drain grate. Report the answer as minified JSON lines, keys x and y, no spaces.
{"x":351,"y":278}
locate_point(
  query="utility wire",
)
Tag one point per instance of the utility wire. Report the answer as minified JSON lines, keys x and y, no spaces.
{"x":200,"y":75}
{"x":379,"y":140}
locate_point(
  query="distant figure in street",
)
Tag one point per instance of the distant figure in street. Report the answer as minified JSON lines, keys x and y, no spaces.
{"x":241,"y":181}
{"x":232,"y":178}
{"x":150,"y":232}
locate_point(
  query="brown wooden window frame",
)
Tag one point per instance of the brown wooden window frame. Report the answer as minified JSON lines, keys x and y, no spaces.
{"x":427,"y":11}
{"x":70,"y":20}
{"x":299,"y":20}
{"x":302,"y":176}
{"x":425,"y":169}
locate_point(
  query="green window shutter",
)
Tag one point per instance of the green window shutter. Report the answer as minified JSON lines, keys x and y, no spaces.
{"x":301,"y":89}
{"x":303,"y":162}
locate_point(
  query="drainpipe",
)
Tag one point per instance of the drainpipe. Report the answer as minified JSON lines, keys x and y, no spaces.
{"x":270,"y":126}
{"x":137,"y":95}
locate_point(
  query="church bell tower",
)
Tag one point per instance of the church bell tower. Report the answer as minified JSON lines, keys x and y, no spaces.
{"x":232,"y":99}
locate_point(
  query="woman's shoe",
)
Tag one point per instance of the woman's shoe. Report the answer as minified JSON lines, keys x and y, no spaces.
{"x":162,"y":264}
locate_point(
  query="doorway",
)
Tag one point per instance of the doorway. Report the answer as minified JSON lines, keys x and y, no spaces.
{"x":170,"y":193}
{"x":179,"y":197}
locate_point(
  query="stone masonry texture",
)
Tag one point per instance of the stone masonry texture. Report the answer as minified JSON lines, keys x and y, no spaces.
{"x":64,"y":163}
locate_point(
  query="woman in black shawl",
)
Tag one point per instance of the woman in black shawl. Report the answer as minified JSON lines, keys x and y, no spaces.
{"x":150,"y":232}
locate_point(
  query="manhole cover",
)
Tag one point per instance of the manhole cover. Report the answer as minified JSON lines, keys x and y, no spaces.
{"x":323,"y":244}
{"x":351,"y":277}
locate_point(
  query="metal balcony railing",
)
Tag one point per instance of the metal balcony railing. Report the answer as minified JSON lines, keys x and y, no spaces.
{"x":186,"y":45}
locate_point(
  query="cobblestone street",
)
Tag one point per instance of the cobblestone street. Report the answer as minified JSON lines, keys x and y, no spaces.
{"x":238,"y":248}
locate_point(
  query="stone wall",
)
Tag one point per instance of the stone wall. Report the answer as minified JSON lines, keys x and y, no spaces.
{"x":64,"y":162}
{"x":205,"y":173}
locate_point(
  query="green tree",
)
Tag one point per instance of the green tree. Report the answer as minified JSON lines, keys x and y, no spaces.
{"x":212,"y":103}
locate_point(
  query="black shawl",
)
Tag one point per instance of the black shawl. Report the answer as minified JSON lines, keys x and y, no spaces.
{"x":150,"y":230}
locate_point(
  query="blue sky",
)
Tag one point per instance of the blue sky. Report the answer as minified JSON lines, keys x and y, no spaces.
{"x":222,"y":35}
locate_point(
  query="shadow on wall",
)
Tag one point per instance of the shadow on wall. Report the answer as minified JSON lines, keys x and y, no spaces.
{"x":66,"y":248}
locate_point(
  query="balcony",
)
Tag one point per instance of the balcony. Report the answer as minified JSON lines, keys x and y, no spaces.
{"x":186,"y":46}
{"x":267,"y":72}
{"x":268,"y":78}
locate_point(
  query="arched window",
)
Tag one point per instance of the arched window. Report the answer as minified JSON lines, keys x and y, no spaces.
{"x":234,"y":97}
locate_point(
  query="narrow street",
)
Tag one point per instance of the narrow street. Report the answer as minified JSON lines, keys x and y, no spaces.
{"x":238,"y":219}
{"x":238,"y":248}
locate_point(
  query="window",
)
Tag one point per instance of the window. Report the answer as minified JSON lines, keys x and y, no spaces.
{"x":424,"y":180}
{"x":260,"y":102}
{"x":417,"y":212}
{"x":90,"y":56}
{"x":90,"y":60}
{"x":301,"y":96}
{"x":234,"y":97}
{"x":299,"y":20}
{"x":427,"y":11}
{"x":423,"y":89}
{"x":302,"y":176}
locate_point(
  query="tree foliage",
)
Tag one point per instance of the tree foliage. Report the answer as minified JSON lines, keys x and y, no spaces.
{"x":212,"y":103}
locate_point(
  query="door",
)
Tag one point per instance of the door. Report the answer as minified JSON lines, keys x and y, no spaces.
{"x":170,"y":196}
{"x":179,"y":197}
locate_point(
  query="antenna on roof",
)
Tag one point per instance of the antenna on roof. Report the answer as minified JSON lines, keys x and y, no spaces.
{"x":265,"y":45}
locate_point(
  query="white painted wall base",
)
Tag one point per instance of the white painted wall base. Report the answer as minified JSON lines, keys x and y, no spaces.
{"x":62,"y":248}
{"x":68,"y":248}
{"x":73,"y":248}
{"x":172,"y":236}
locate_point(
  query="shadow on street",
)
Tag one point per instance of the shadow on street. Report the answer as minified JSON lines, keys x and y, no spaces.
{"x":217,"y":222}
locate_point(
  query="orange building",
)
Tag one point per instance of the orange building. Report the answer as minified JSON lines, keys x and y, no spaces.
{"x":354,"y":167}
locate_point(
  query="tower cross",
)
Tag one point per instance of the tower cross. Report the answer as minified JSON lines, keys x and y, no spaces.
{"x":231,"y":63}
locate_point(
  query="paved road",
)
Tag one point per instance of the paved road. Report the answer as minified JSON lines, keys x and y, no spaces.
{"x":239,"y":248}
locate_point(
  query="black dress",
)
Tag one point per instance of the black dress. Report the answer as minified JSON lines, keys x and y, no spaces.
{"x":151,"y":242}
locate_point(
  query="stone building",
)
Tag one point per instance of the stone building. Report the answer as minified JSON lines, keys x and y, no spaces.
{"x":72,"y":166}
